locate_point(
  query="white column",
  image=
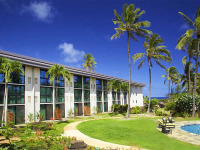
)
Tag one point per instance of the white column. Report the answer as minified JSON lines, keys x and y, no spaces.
{"x":109,"y":100}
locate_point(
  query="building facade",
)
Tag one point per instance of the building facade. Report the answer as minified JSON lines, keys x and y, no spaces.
{"x":85,"y":94}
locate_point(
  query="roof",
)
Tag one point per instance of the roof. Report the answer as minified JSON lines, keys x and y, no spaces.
{"x":34,"y":62}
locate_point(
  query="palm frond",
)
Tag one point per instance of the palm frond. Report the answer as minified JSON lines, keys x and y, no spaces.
{"x":187,"y":19}
{"x":137,"y":56}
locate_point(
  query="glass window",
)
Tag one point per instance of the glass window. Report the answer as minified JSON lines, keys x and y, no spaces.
{"x":43,"y":79}
{"x":118,"y":95}
{"x":60,"y":95}
{"x":77,"y":81}
{"x":113,"y":95}
{"x":105,"y":106}
{"x":105,"y":85}
{"x":1,"y":77}
{"x":86,"y":82}
{"x":98,"y":84}
{"x":86,"y":95}
{"x":99,"y":95}
{"x":2,"y":89}
{"x":15,"y":94}
{"x":60,"y":82}
{"x":15,"y":78}
{"x":105,"y":95}
{"x":77,"y":95}
{"x":125,"y":96}
{"x":45,"y":95}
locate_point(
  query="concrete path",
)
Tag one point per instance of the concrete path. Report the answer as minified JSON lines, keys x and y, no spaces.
{"x":72,"y":131}
{"x":185,"y":136}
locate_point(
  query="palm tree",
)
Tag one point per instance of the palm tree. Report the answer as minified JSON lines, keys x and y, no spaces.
{"x":88,"y":62}
{"x":54,"y":73}
{"x":114,"y":85}
{"x":7,"y":67}
{"x":171,"y":73}
{"x":155,"y":51}
{"x":189,"y":70}
{"x":130,"y":23}
{"x":189,"y":46}
{"x":193,"y":32}
{"x":124,"y":87}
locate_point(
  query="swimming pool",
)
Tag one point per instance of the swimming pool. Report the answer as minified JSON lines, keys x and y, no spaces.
{"x":193,"y":128}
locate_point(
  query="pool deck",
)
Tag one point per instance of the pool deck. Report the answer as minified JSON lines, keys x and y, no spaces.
{"x":185,"y":136}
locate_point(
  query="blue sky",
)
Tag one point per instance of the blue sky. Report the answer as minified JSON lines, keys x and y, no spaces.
{"x":62,"y":31}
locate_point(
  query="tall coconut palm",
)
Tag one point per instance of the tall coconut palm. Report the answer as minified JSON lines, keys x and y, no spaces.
{"x":89,"y":62}
{"x":8,"y":66}
{"x":155,"y":51}
{"x":130,"y":23}
{"x":193,"y":32}
{"x":189,"y":46}
{"x":54,"y":73}
{"x":171,"y":72}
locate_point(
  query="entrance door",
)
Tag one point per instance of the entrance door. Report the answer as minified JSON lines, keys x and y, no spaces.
{"x":87,"y":109}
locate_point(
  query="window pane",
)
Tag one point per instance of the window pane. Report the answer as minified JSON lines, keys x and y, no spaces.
{"x":77,"y":81}
{"x":98,"y":84}
{"x":1,"y":77}
{"x":42,"y":99}
{"x":86,"y":95}
{"x":2,"y":88}
{"x":49,"y":99}
{"x":105,"y":95}
{"x":99,"y":95}
{"x":77,"y":95}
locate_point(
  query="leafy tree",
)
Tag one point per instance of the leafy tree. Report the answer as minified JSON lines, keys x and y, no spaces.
{"x":171,"y":73}
{"x":7,"y":67}
{"x":54,"y":73}
{"x":130,"y":23}
{"x":193,"y":32}
{"x":89,"y":62}
{"x":155,"y":51}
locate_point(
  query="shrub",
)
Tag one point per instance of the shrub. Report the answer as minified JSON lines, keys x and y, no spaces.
{"x":136,"y":110}
{"x":43,"y":126}
{"x":119,"y":108}
{"x":162,"y":112}
{"x":170,"y":106}
{"x":153,"y":103}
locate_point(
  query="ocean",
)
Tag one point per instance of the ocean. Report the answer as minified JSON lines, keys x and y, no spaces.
{"x":159,"y":98}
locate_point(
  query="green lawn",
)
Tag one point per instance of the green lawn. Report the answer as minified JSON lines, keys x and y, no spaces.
{"x":141,"y":132}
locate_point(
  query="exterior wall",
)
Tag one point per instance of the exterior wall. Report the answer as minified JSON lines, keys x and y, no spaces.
{"x":93,"y":103}
{"x":109,"y":100}
{"x":32,"y":94}
{"x":136,"y":96}
{"x":69,"y":96}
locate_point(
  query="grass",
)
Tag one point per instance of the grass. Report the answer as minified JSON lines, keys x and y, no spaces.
{"x":141,"y":132}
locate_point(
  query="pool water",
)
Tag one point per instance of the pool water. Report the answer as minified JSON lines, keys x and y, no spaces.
{"x":192,"y":128}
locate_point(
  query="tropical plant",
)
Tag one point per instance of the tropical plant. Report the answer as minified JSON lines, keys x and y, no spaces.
{"x":193,"y":32}
{"x":155,"y":51}
{"x":7,"y":67}
{"x":54,"y":73}
{"x":130,"y":23}
{"x":124,"y":87}
{"x":171,"y":74}
{"x":89,"y":62}
{"x":189,"y":46}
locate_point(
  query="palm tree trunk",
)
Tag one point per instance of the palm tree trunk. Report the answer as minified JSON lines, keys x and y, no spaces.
{"x":4,"y":115}
{"x":189,"y":86}
{"x":195,"y":79}
{"x":129,"y":61}
{"x":149,"y":88}
{"x":169,"y":91}
{"x":171,"y":88}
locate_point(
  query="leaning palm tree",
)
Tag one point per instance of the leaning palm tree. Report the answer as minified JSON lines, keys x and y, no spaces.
{"x":130,"y":23}
{"x":189,"y":46}
{"x":89,"y":62}
{"x":171,"y":72}
{"x":193,"y":32}
{"x":54,"y":73}
{"x":155,"y":51}
{"x":7,"y":67}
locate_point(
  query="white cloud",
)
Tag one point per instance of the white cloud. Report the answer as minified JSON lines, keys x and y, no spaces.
{"x":41,"y":10}
{"x":71,"y":54}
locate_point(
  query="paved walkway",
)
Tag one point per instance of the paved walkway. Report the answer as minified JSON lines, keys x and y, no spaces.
{"x":185,"y":136}
{"x":72,"y":131}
